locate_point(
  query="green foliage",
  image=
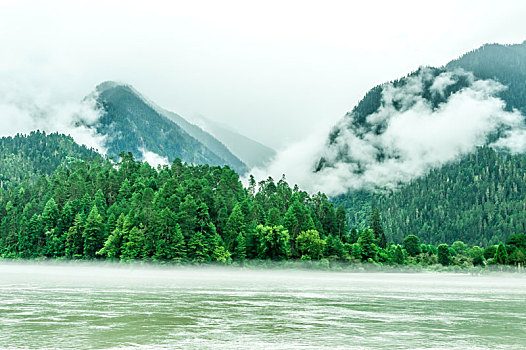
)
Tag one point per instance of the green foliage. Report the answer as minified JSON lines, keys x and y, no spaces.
{"x":26,"y":157}
{"x":478,"y":200}
{"x":398,"y":255}
{"x":367,"y":245}
{"x":412,"y":245}
{"x":274,"y":242}
{"x":93,"y":233}
{"x":309,"y":243}
{"x":477,"y":254}
{"x":376,"y":226}
{"x":128,"y":211}
{"x":504,"y":63}
{"x":501,"y":257}
{"x":443,"y":255}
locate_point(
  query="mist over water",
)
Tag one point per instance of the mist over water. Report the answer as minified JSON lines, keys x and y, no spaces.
{"x":77,"y":305}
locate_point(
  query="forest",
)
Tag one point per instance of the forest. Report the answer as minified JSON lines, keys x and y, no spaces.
{"x":478,"y":199}
{"x":93,"y":208}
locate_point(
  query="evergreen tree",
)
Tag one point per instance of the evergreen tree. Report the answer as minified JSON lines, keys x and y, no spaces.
{"x":93,"y":233}
{"x":398,"y":256}
{"x":367,"y":245}
{"x":234,"y":226}
{"x":412,"y":245}
{"x":376,"y":226}
{"x":501,"y":257}
{"x":75,"y":239}
{"x":197,"y":250}
{"x":443,"y":255}
{"x":274,"y":242}
{"x":133,"y":245}
{"x":239,"y":252}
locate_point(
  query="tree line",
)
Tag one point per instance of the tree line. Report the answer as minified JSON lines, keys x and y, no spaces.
{"x":93,"y":208}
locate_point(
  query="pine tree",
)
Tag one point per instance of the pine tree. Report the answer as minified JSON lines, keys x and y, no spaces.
{"x":367,"y":245}
{"x":50,"y":215}
{"x":197,"y":250}
{"x":234,"y":226}
{"x":74,"y":239}
{"x":134,"y":244}
{"x":93,"y":234}
{"x":376,"y":226}
{"x":443,"y":254}
{"x":501,"y":257}
{"x":239,"y":253}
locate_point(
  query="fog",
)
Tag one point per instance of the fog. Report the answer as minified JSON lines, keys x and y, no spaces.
{"x":414,"y":136}
{"x":275,"y":71}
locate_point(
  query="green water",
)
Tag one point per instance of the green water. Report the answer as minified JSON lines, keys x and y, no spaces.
{"x":78,"y":306}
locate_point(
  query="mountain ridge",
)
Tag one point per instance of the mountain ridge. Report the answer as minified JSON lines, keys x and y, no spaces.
{"x":134,"y":123}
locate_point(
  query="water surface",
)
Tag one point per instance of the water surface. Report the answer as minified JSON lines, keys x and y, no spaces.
{"x":81,"y":306}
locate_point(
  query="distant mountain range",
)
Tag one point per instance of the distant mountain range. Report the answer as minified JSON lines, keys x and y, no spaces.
{"x":252,"y":153}
{"x":133,"y":123}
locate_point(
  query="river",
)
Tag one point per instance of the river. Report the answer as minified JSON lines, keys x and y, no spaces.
{"x":86,"y":306}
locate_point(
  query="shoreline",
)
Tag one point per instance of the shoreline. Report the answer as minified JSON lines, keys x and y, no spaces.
{"x":264,"y":265}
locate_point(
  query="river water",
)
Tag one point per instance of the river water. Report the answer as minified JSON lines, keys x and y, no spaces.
{"x":82,"y":306}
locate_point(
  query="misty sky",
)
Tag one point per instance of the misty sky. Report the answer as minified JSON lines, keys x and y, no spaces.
{"x":276,"y":71}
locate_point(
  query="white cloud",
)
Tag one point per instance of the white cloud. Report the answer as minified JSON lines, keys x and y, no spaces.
{"x":153,"y":158}
{"x":24,"y":109}
{"x":414,"y":136}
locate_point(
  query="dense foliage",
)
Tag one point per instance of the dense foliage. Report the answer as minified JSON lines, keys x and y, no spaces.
{"x":24,"y":157}
{"x":479,"y":200}
{"x":504,"y":63}
{"x":95,"y":209}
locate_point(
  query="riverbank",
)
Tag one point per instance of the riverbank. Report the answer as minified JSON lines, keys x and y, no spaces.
{"x":322,"y":265}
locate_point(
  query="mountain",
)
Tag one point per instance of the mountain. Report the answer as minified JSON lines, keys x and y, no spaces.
{"x":251,"y":152}
{"x":134,"y":124}
{"x":503,"y":63}
{"x":440,"y":152}
{"x":26,"y":157}
{"x":376,"y":138}
{"x":478,"y":199}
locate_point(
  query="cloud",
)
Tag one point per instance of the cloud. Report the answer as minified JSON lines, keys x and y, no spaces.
{"x":153,"y":158}
{"x":24,"y":108}
{"x":407,"y":136}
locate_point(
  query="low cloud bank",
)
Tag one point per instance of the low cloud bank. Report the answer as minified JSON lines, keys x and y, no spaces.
{"x":23,"y":110}
{"x":153,"y":158}
{"x":404,"y":138}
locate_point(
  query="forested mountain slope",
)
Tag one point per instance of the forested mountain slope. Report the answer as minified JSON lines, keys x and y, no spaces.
{"x":504,"y":63}
{"x":25,"y":157}
{"x":480,"y":200}
{"x":132,"y":124}
{"x":475,"y":195}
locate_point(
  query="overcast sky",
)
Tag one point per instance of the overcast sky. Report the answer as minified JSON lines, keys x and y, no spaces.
{"x":276,"y":71}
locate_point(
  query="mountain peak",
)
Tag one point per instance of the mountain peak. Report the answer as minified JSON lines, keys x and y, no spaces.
{"x":110,"y":84}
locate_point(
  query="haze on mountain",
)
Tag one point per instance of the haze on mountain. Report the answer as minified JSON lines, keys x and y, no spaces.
{"x":466,"y":179}
{"x":276,"y":84}
{"x":402,"y":129}
{"x":131,"y":123}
